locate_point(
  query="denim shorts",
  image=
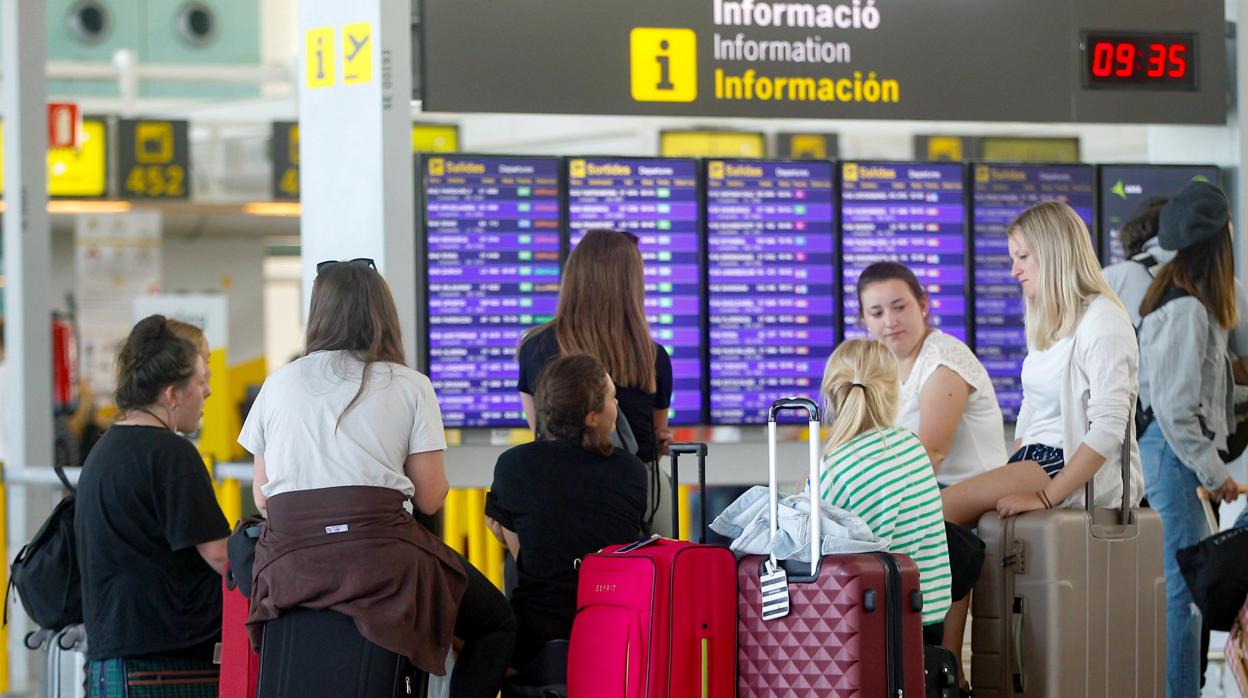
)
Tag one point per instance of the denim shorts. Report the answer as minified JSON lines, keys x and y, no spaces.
{"x":1049,"y":458}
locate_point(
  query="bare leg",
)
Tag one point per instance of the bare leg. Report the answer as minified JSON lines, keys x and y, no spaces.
{"x":966,"y":501}
{"x":955,"y":633}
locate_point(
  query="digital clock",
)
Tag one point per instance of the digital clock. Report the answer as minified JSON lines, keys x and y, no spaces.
{"x":1115,"y":60}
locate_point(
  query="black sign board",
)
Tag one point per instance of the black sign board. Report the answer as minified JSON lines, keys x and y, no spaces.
{"x":154,"y":159}
{"x":285,"y":161}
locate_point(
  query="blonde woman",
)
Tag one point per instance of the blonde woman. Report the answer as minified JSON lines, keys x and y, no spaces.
{"x":1079,"y":379}
{"x":881,"y":472}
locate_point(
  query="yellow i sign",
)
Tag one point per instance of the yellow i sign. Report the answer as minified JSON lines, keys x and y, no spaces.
{"x":357,"y":53}
{"x":664,"y":64}
{"x":319,"y":52}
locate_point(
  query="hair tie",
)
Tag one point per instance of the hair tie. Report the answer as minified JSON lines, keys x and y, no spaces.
{"x":857,"y":385}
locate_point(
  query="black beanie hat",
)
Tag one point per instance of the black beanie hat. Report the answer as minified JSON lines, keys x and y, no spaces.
{"x":1196,"y":214}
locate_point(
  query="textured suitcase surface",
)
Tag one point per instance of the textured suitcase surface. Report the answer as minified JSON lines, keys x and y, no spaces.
{"x":240,"y":665}
{"x":321,"y":653}
{"x":1070,"y":606}
{"x":840,"y":638}
{"x":1237,"y":650}
{"x":657,"y":621}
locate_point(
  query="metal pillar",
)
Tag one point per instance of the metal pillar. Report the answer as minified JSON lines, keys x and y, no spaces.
{"x":356,"y":179}
{"x":27,"y":268}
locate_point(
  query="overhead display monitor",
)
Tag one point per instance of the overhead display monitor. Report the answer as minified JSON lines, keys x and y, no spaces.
{"x":771,"y":265}
{"x":912,"y":213}
{"x":659,"y":201}
{"x":1000,"y":193}
{"x":1124,"y":189}
{"x":492,"y":245}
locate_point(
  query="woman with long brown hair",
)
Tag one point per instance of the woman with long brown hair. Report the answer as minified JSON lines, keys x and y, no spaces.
{"x":346,"y":440}
{"x":1186,"y":392}
{"x":602,"y":313}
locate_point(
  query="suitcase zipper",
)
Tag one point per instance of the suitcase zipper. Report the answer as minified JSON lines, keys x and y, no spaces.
{"x":894,"y":642}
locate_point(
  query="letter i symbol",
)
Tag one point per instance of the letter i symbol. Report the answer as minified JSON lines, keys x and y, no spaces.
{"x":665,"y":69}
{"x":320,"y":58}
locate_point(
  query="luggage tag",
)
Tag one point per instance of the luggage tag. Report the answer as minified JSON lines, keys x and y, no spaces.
{"x":774,"y":583}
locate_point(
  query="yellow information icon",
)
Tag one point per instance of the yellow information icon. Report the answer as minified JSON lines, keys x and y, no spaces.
{"x":357,"y":53}
{"x":664,"y":64}
{"x":320,"y":57}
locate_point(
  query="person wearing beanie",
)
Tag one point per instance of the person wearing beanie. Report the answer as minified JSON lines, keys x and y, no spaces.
{"x":1186,"y":391}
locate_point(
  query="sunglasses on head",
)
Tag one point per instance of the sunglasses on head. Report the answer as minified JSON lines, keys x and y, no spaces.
{"x":360,"y":261}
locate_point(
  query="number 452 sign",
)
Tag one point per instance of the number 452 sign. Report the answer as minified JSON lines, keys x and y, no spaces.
{"x":155,"y":159}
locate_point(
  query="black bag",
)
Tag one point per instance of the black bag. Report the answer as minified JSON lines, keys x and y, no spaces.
{"x":240,"y":549}
{"x":45,"y":572}
{"x":940,"y":669}
{"x":1216,"y":572}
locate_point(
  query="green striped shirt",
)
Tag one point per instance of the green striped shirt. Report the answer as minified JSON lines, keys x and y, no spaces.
{"x":886,"y":478}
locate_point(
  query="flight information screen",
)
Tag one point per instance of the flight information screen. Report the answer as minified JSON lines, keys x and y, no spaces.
{"x":914,"y":214}
{"x":659,"y":202}
{"x":1001,"y":192}
{"x":771,"y":263}
{"x":1125,"y":189}
{"x":492,"y":230}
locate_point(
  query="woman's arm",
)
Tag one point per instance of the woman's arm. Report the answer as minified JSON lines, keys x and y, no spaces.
{"x":259,"y":479}
{"x":505,"y":536}
{"x":214,"y":553}
{"x":530,"y":410}
{"x":662,"y":434}
{"x":428,"y":475}
{"x":942,"y":402}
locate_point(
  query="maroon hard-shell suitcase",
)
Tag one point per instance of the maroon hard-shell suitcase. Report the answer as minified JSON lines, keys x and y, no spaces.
{"x":854,"y":626}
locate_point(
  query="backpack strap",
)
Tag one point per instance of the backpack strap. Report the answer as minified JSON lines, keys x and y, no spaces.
{"x":1148,"y":261}
{"x":60,"y":475}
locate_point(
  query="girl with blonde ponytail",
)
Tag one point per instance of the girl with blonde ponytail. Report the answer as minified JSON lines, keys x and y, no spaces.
{"x":881,"y":472}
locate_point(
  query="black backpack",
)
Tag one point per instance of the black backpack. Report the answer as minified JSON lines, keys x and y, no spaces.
{"x":45,"y":573}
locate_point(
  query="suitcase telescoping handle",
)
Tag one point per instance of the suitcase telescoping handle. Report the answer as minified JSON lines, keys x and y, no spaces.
{"x":699,"y":450}
{"x":812,"y":412}
{"x":1089,"y":492}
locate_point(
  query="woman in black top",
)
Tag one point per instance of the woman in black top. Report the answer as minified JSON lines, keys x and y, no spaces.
{"x":602,"y":313}
{"x":150,"y":535}
{"x":556,"y":500}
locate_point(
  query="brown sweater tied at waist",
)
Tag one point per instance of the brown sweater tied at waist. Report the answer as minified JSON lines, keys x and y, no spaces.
{"x":355,"y":550}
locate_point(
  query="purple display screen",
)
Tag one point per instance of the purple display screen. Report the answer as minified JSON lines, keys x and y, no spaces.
{"x":1125,"y":189}
{"x":1001,"y":192}
{"x":914,"y":214}
{"x":772,"y":269}
{"x":492,"y":229}
{"x":658,"y":201}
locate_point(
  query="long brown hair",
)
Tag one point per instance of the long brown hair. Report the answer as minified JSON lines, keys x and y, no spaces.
{"x":152,"y":358}
{"x":602,"y":309}
{"x":352,"y":310}
{"x":1206,"y":271}
{"x":570,"y":388}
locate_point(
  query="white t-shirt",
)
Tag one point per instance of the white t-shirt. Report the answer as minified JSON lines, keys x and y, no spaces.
{"x":979,"y":441}
{"x":292,"y":424}
{"x":1044,"y":372}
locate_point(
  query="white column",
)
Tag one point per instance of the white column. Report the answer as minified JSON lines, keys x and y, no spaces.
{"x":27,"y":268}
{"x":356,"y":164}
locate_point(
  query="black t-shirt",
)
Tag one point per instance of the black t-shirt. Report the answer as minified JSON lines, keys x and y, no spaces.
{"x":144,"y":502}
{"x":637,"y":405}
{"x":563,"y":502}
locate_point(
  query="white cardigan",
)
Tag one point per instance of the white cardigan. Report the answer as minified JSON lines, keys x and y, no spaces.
{"x":1099,"y":389}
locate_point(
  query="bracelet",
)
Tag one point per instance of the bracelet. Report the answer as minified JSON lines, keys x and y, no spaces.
{"x":1044,"y":499}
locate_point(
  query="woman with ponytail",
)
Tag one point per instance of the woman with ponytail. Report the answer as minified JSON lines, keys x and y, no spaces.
{"x":881,"y":472}
{"x":150,"y":535}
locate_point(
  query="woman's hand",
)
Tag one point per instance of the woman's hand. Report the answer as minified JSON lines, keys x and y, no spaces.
{"x":1018,"y":503}
{"x":1228,"y":492}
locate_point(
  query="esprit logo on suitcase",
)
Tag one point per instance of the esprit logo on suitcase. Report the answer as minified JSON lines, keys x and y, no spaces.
{"x":774,"y":583}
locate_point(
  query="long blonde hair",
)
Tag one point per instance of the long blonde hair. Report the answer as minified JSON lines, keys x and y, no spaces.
{"x":861,"y":389}
{"x":1070,"y":276}
{"x":602,"y":308}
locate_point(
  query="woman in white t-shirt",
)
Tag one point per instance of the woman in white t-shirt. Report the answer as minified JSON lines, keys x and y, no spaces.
{"x":947,"y":398}
{"x":347,"y":439}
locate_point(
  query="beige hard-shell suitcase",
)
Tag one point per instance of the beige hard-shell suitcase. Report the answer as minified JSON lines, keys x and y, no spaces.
{"x":1071,"y":604}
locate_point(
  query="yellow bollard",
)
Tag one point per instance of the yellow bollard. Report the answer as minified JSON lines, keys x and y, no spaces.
{"x":453,"y":530}
{"x":686,"y":516}
{"x":4,"y":581}
{"x":474,"y":516}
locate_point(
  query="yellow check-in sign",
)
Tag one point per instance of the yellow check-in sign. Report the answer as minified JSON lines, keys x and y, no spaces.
{"x":76,"y":172}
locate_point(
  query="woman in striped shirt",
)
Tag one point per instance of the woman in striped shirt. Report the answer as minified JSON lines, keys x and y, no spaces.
{"x":881,"y":472}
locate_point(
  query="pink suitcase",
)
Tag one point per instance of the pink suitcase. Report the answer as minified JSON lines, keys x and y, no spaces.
{"x":655,"y":618}
{"x":854,"y":625}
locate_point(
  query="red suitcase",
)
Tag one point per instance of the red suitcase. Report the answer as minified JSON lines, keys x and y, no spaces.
{"x":240,"y":666}
{"x":854,"y":625}
{"x":656,"y":618}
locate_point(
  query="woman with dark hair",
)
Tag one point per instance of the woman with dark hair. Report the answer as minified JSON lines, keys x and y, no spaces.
{"x":347,"y":439}
{"x":556,"y":500}
{"x":150,"y":535}
{"x":1186,"y":384}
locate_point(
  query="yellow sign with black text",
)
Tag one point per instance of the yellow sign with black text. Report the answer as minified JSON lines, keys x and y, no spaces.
{"x":664,"y":64}
{"x":357,"y":53}
{"x":319,"y":52}
{"x":80,"y":172}
{"x":154,"y":159}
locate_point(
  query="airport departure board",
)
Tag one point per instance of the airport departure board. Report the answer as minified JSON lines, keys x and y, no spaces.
{"x":1125,"y":188}
{"x":659,"y":201}
{"x":771,"y":266}
{"x":493,"y":228}
{"x":912,"y":213}
{"x":1000,"y":193}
